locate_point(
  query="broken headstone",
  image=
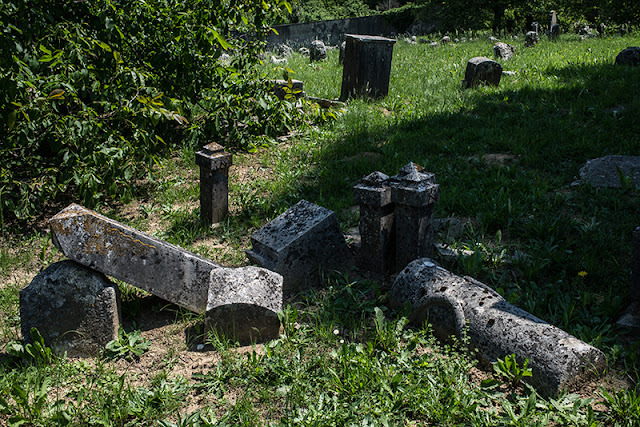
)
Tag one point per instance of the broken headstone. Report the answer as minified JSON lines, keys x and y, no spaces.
{"x":531,"y":39}
{"x":317,"y":51}
{"x":139,"y":259}
{"x":75,"y":309}
{"x":503,"y":50}
{"x":481,"y":70}
{"x":214,"y":165}
{"x":298,"y":243}
{"x":367,"y":66}
{"x":457,"y":305}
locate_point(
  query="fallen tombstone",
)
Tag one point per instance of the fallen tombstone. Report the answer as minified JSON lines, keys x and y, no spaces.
{"x":137,"y":258}
{"x":455,"y":305}
{"x":503,"y":50}
{"x":214,"y":165}
{"x":611,"y":171}
{"x":629,"y":56}
{"x":75,"y":309}
{"x":298,"y":243}
{"x":481,"y":70}
{"x":243,"y":304}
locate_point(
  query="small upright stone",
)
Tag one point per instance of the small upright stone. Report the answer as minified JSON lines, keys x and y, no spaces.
{"x":414,"y":193}
{"x":629,"y":56}
{"x":367,"y":66}
{"x":243,"y":304}
{"x":531,"y":39}
{"x":75,"y":309}
{"x":299,"y":242}
{"x":317,"y":51}
{"x":343,"y":46}
{"x":482,"y":70}
{"x":377,"y":231}
{"x":503,"y":50}
{"x":445,"y":40}
{"x":214,"y":165}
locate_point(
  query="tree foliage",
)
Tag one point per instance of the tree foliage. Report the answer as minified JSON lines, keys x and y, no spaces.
{"x":92,"y":92}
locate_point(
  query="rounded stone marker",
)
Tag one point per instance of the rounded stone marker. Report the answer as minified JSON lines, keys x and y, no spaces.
{"x":75,"y":309}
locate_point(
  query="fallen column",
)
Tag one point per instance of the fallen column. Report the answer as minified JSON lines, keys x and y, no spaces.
{"x":495,"y":328}
{"x":137,"y":258}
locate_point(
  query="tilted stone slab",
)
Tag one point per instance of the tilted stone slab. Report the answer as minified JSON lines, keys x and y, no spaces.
{"x":75,"y":309}
{"x":496,"y":328}
{"x":137,"y":258}
{"x":299,"y":242}
{"x":244,"y":303}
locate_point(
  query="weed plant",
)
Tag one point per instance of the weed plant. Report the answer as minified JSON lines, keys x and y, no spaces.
{"x":557,"y":250}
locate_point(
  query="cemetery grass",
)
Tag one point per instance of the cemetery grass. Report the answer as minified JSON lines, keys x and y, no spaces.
{"x":505,"y":159}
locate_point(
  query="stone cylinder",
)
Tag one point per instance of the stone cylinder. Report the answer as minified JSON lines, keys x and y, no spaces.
{"x":454,"y":304}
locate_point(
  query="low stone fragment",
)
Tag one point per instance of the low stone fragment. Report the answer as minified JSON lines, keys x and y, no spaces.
{"x":298,"y":243}
{"x":454,"y":304}
{"x":481,"y":70}
{"x":317,"y":51}
{"x":243,"y":304}
{"x":75,"y":309}
{"x":629,"y":56}
{"x":503,"y":50}
{"x":531,"y":39}
{"x":137,"y":258}
{"x":607,"y":171}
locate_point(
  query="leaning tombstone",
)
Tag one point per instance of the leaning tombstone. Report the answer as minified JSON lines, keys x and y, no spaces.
{"x":298,"y":243}
{"x":531,"y":39}
{"x":414,"y":194}
{"x":317,"y":51}
{"x":503,"y":50}
{"x":214,"y":165}
{"x":629,"y":56}
{"x":456,"y":305}
{"x":367,"y":66}
{"x":243,"y":304}
{"x":481,"y":70}
{"x":75,"y":309}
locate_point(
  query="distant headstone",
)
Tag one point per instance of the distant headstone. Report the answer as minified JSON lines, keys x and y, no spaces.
{"x":317,"y":51}
{"x":555,"y":31}
{"x":552,"y":20}
{"x":75,"y":309}
{"x":303,"y":51}
{"x":535,"y":27}
{"x":298,"y":243}
{"x":629,"y":56}
{"x":434,"y":44}
{"x":367,"y":66}
{"x":445,"y":40}
{"x":607,"y":171}
{"x":132,"y":256}
{"x":481,"y":70}
{"x":503,"y":50}
{"x":531,"y":39}
{"x":283,"y":50}
{"x":243,"y":304}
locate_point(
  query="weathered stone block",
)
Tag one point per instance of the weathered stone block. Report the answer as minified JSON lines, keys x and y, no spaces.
{"x":75,"y":309}
{"x":243,"y":304}
{"x":481,"y":70}
{"x":317,"y":51}
{"x":367,"y":66}
{"x":453,"y":304}
{"x":298,"y":242}
{"x":606,"y":171}
{"x":531,"y":38}
{"x":124,"y":253}
{"x":629,"y":56}
{"x":214,"y":165}
{"x":503,"y":50}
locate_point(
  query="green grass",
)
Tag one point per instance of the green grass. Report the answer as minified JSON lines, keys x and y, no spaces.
{"x":344,"y":357}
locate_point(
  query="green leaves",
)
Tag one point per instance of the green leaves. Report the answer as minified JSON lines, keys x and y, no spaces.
{"x":128,"y":345}
{"x":511,"y":370}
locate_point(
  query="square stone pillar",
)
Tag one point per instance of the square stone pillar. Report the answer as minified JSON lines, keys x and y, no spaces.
{"x":414,"y":194}
{"x":377,"y":231}
{"x":214,"y":165}
{"x":367,"y":66}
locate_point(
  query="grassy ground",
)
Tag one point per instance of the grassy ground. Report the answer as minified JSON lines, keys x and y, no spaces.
{"x":505,"y":159}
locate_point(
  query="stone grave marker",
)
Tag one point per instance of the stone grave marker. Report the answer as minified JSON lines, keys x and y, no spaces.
{"x":214,"y":165}
{"x":606,"y":171}
{"x":453,"y":304}
{"x":75,"y":309}
{"x":503,"y":50}
{"x":531,"y":39}
{"x":481,"y":70}
{"x":367,"y":66}
{"x":317,"y":51}
{"x":629,"y":56}
{"x":299,"y":242}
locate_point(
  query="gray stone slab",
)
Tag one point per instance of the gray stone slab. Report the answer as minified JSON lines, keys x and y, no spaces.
{"x":243,"y":304}
{"x":137,"y":258}
{"x":75,"y":309}
{"x":606,"y":171}
{"x":453,"y":304}
{"x":298,"y":243}
{"x":481,"y":70}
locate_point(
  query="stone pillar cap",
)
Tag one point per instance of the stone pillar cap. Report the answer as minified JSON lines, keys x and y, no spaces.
{"x":373,"y":190}
{"x":414,"y":187}
{"x":214,"y":157}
